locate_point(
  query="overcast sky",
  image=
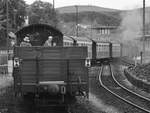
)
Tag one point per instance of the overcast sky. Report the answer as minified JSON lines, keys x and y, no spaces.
{"x":116,"y":4}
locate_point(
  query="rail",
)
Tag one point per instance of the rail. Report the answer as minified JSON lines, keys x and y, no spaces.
{"x":123,"y":94}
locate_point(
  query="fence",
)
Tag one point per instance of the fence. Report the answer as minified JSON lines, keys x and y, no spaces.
{"x":5,"y":62}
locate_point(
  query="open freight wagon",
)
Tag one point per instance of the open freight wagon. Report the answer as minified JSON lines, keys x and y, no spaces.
{"x":56,"y":71}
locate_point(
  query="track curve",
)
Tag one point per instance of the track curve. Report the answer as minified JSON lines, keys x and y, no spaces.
{"x":107,"y":81}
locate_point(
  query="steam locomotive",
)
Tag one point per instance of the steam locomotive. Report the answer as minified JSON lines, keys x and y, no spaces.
{"x":59,"y":72}
{"x":52,"y":73}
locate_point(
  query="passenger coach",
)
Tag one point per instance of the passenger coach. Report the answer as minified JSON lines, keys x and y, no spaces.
{"x":84,"y":42}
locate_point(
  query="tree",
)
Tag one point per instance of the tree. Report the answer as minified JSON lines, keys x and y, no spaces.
{"x":16,"y":14}
{"x":41,"y":12}
{"x":2,"y":15}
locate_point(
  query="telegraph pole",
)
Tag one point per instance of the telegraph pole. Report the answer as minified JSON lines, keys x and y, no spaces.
{"x":15,"y":25}
{"x":7,"y":23}
{"x":53,"y":5}
{"x":142,"y":56}
{"x":76,"y":21}
{"x":54,"y":15}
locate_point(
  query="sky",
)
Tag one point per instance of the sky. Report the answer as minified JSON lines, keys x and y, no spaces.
{"x":115,"y":4}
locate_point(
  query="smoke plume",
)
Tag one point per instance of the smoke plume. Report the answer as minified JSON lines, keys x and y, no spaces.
{"x":131,"y":25}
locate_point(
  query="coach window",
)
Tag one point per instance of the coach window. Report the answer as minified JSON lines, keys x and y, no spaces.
{"x":99,"y":47}
{"x":108,"y":31}
{"x":103,"y":47}
{"x":102,"y":31}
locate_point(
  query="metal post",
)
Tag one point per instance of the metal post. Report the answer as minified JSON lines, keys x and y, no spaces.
{"x":143,"y":30}
{"x":141,"y":55}
{"x":54,"y":15}
{"x":15,"y":26}
{"x":7,"y":23}
{"x":76,"y":21}
{"x":53,"y":5}
{"x":91,"y":19}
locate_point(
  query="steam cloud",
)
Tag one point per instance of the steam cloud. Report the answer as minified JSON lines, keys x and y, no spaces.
{"x":131,"y":25}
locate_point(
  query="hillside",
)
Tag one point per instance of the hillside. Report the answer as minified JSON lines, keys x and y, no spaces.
{"x":87,"y":16}
{"x":94,"y":18}
{"x":84,"y":8}
{"x":90,"y":15}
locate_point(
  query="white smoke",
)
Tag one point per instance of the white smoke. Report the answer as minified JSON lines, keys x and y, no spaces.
{"x":131,"y":25}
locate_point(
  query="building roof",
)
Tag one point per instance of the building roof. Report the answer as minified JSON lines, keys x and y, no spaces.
{"x":67,"y":38}
{"x":105,"y":27}
{"x":81,"y":39}
{"x":140,"y":37}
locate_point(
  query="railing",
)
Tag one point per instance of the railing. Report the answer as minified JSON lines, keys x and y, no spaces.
{"x":5,"y":62}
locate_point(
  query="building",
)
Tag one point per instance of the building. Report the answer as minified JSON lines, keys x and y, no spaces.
{"x":104,"y":33}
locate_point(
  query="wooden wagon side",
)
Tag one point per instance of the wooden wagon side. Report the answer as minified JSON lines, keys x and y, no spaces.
{"x":35,"y":68}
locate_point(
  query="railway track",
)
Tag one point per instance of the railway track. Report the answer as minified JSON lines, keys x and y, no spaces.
{"x":107,"y":81}
{"x":127,"y":62}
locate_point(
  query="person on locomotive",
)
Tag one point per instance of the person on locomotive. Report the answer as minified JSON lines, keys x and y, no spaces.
{"x":12,"y":37}
{"x":48,"y":43}
{"x":25,"y":42}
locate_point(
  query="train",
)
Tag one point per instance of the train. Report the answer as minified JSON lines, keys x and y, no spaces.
{"x":59,"y":72}
{"x":101,"y":51}
{"x":54,"y":74}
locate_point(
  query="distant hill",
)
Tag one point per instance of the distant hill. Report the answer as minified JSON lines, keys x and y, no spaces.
{"x":97,"y":16}
{"x":90,"y":15}
{"x":84,"y":8}
{"x":94,"y":18}
{"x":87,"y":16}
